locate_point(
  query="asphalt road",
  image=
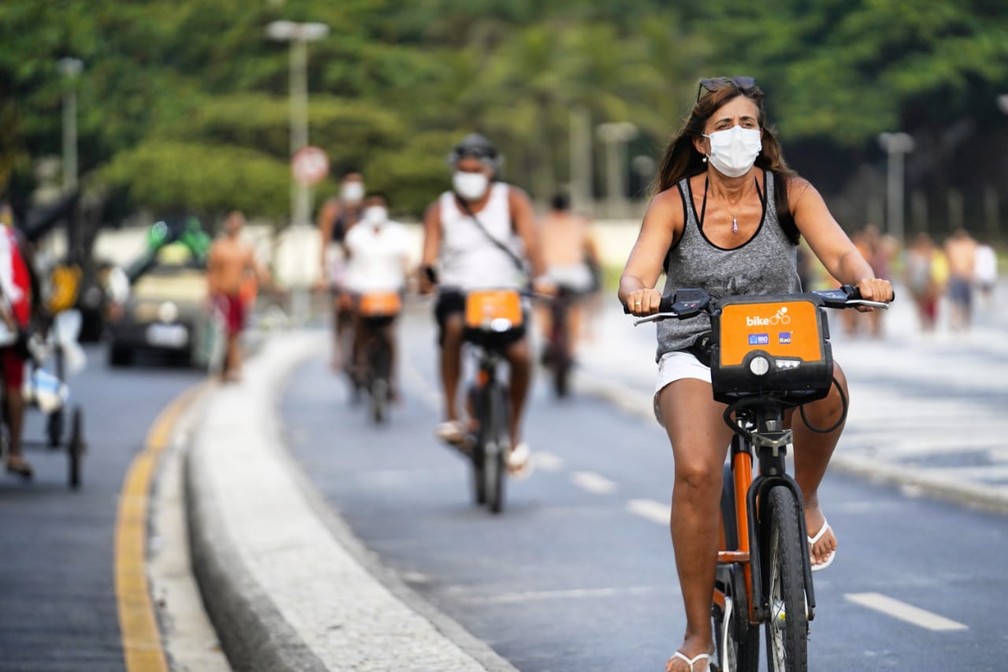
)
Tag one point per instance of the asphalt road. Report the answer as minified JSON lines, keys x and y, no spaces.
{"x":578,"y":574}
{"x":57,"y":596}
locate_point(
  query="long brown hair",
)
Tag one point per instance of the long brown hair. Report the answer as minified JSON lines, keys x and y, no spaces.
{"x":681,"y":159}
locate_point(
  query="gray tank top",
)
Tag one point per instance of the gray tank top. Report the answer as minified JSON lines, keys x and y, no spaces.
{"x":764,"y":264}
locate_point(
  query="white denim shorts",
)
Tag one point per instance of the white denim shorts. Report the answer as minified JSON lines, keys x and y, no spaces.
{"x":675,"y":366}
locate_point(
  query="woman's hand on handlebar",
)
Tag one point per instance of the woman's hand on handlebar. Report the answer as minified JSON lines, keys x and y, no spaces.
{"x":643,"y":302}
{"x":874,"y":289}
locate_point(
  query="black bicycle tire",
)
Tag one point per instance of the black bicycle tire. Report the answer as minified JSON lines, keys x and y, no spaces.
{"x":75,"y":448}
{"x":785,"y":583}
{"x":495,"y":464}
{"x":380,"y":362}
{"x":55,"y":424}
{"x":477,"y":399}
{"x":560,"y":360}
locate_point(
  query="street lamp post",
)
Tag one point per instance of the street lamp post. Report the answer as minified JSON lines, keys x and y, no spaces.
{"x":70,"y":68}
{"x":615,"y":135}
{"x":580,"y":159}
{"x":298,"y":35}
{"x":896,"y":146}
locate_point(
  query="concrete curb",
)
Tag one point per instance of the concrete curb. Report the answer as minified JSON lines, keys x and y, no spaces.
{"x":933,"y":485}
{"x":284,"y":580}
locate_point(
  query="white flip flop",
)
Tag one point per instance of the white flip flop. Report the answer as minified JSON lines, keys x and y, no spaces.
{"x":812,"y":542}
{"x":694,"y":660}
{"x":519,"y":461}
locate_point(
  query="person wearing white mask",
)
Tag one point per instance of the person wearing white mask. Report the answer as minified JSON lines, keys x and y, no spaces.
{"x":378,"y":261}
{"x":336,"y":218}
{"x":480,"y":234}
{"x":726,"y":216}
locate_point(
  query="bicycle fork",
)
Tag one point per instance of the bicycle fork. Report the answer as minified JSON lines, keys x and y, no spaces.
{"x":771,"y":441}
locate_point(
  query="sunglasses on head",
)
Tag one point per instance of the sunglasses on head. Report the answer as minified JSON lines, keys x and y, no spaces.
{"x":482,"y":153}
{"x":717,"y":83}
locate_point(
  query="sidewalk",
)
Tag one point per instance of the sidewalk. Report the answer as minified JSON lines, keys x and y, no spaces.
{"x":285,"y":583}
{"x":927,"y":411}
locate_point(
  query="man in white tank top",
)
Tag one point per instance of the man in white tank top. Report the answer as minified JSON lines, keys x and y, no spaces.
{"x":480,"y":235}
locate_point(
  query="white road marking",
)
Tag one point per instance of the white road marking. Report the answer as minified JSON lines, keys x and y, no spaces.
{"x":593,"y":483}
{"x":428,"y":394}
{"x":904,"y":612}
{"x":650,"y":509}
{"x":547,"y":461}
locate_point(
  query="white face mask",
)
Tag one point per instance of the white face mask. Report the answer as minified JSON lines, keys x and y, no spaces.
{"x":352,"y":192}
{"x":470,"y":186}
{"x":375,"y":215}
{"x":734,"y":151}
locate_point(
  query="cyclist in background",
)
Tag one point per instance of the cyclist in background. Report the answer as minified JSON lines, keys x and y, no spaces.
{"x":378,"y":260}
{"x":570,"y":255}
{"x":727,"y":217}
{"x":337,"y":216}
{"x":480,"y":235}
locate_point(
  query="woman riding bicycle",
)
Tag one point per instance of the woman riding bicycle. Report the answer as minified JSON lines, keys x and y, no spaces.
{"x":715,"y":223}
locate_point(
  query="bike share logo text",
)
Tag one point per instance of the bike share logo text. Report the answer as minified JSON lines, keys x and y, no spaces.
{"x":780,"y":317}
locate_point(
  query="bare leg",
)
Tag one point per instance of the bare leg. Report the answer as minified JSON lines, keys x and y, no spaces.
{"x":232,"y":366}
{"x":520,"y":374}
{"x":574,"y":334}
{"x":812,"y":453}
{"x":700,"y":440}
{"x":15,"y":412}
{"x":390,"y":336}
{"x":337,"y":353}
{"x":451,"y":364}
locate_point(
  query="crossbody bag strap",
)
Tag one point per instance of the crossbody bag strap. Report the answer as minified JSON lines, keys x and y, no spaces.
{"x":518,"y":262}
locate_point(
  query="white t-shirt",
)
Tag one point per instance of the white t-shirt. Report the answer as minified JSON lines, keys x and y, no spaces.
{"x":985,"y":265}
{"x":378,"y":257}
{"x":469,"y":259}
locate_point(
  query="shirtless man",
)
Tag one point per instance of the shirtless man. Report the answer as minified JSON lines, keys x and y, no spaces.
{"x":960,"y":250}
{"x":230,"y":264}
{"x":567,"y":249}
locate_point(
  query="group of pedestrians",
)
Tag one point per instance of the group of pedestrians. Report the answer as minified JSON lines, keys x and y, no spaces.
{"x":961,"y":271}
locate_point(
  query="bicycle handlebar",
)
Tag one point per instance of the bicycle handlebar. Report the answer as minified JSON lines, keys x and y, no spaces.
{"x":689,"y":302}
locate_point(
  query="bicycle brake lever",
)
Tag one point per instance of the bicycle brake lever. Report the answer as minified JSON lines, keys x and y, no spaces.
{"x":865,"y":302}
{"x":654,"y":318}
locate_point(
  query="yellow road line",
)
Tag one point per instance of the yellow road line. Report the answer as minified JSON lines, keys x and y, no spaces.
{"x":141,"y":639}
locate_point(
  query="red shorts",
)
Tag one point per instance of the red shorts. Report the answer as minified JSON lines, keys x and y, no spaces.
{"x":13,"y":366}
{"x":233,"y":309}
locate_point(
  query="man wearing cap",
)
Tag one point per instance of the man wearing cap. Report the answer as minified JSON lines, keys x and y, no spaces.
{"x":480,"y":235}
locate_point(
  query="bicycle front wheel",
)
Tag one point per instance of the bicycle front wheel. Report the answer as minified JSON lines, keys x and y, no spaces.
{"x":381,"y":361}
{"x":497,"y":448}
{"x":478,"y":404}
{"x":787,"y":626}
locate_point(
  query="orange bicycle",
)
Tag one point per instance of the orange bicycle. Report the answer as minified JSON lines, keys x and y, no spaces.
{"x":767,"y":354}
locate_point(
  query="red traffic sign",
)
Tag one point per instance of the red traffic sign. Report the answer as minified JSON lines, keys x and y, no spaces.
{"x":310,"y":165}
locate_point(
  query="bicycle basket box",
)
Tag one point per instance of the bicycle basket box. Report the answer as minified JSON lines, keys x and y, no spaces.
{"x":380,"y":304}
{"x":494,"y":310}
{"x":493,"y":317}
{"x":771,"y":344}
